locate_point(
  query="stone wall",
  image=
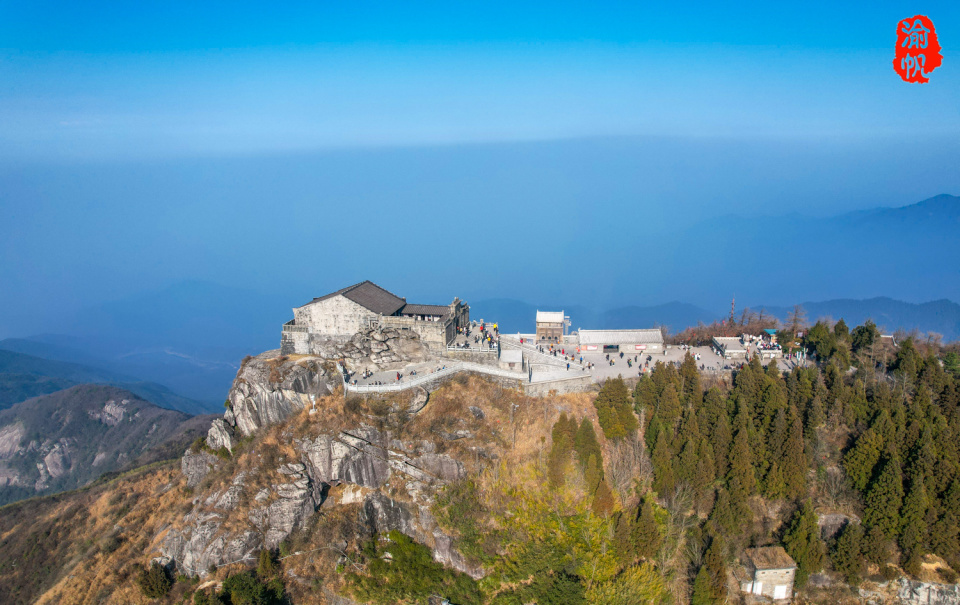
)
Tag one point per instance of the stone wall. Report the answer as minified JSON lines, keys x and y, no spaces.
{"x":294,"y":343}
{"x":574,"y":384}
{"x":487,"y":359}
{"x":334,"y":316}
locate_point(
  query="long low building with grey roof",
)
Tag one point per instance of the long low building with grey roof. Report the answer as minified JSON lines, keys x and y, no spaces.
{"x":621,"y":341}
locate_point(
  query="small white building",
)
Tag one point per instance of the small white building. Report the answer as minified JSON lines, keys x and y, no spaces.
{"x":767,"y":571}
{"x":630,"y":342}
{"x":730,"y":347}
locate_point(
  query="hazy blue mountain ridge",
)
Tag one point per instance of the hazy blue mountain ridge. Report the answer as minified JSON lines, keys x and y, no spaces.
{"x":23,"y":376}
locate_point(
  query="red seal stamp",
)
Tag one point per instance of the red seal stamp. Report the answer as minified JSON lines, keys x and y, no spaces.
{"x":918,"y":51}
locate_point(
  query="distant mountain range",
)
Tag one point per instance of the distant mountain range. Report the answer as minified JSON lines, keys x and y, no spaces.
{"x":189,"y":337}
{"x":907,"y":252}
{"x":941,"y":316}
{"x":24,"y":376}
{"x":65,"y":439}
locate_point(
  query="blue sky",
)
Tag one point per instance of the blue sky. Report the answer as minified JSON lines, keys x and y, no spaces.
{"x":146,"y":79}
{"x":292,"y":147}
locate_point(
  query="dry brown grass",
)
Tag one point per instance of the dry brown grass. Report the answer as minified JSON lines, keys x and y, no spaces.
{"x":507,"y":446}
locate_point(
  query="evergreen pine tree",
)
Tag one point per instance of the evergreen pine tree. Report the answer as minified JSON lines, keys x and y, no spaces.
{"x":773,"y":369}
{"x":690,"y":376}
{"x":685,"y":469}
{"x":646,"y":534}
{"x":668,"y":406}
{"x":773,"y":484}
{"x":841,"y":331}
{"x":623,"y":539}
{"x":716,"y":569}
{"x":614,"y":409}
{"x":592,"y":474}
{"x":945,"y":538}
{"x":559,"y":456}
{"x":721,"y":440}
{"x":876,"y":546}
{"x":793,"y":461}
{"x":705,"y":477}
{"x":861,"y":461}
{"x":585,"y":443}
{"x":815,"y":417}
{"x":884,"y":499}
{"x":741,"y":467}
{"x":913,"y":519}
{"x":702,"y":594}
{"x":722,"y":514}
{"x":663,"y":478}
{"x":847,"y":555}
{"x":802,"y":542}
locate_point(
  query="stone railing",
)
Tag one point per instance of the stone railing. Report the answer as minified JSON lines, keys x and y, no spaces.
{"x":294,"y":328}
{"x":535,"y":357}
{"x":473,"y":349}
{"x":423,"y":379}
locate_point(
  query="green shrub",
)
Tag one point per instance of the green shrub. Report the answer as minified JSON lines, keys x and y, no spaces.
{"x":202,"y":597}
{"x":403,"y":570}
{"x":266,"y":564}
{"x":889,"y":573}
{"x":154,"y":581}
{"x":247,"y":589}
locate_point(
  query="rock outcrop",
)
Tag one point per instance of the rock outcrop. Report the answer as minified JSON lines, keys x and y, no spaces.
{"x":196,"y":465}
{"x":363,"y":460}
{"x":390,"y":481}
{"x":924,"y":593}
{"x":219,"y":435}
{"x":270,"y":388}
{"x":381,"y":349}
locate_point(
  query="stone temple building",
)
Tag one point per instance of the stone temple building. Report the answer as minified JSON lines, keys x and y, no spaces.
{"x":336,"y":317}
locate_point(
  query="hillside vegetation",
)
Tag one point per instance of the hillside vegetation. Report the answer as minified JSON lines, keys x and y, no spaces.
{"x":646,"y":492}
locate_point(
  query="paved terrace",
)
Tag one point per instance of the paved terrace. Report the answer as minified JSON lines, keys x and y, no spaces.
{"x":446,"y":368}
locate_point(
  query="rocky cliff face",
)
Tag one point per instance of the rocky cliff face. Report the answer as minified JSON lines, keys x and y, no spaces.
{"x":270,"y":388}
{"x":238,"y":512}
{"x":261,"y":507}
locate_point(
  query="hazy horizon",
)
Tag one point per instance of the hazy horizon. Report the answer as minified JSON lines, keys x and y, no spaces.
{"x":536,"y":152}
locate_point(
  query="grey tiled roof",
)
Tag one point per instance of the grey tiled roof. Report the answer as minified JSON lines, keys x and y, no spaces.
{"x":425,"y":310}
{"x":618,"y":337}
{"x":369,"y":295}
{"x":729,"y":343}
